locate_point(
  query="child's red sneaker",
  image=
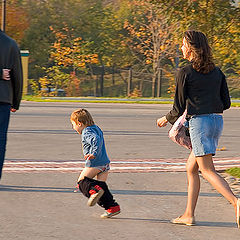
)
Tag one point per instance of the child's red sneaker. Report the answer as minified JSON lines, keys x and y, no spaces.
{"x":96,"y":193}
{"x":112,"y":211}
{"x":76,"y":188}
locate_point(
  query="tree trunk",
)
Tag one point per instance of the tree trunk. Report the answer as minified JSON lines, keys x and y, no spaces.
{"x":113,"y":75}
{"x":101,"y":81}
{"x":129,"y":90}
{"x":159,"y":90}
{"x":96,"y":87}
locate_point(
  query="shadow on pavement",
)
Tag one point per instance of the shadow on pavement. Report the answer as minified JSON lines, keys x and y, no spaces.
{"x":167,"y":193}
{"x":198,"y":223}
{"x":216,"y":224}
{"x":142,"y":219}
{"x":14,"y":188}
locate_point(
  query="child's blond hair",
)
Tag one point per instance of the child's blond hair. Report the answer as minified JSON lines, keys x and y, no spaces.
{"x":83,"y":116}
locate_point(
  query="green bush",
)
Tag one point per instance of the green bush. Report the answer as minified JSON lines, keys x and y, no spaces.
{"x":235,"y":171}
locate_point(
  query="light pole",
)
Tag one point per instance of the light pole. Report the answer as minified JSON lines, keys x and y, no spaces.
{"x":3,"y":15}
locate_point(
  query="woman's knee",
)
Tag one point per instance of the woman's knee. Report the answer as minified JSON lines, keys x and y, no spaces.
{"x":207,"y":173}
{"x":206,"y":165}
{"x":192,"y":169}
{"x":192,"y":166}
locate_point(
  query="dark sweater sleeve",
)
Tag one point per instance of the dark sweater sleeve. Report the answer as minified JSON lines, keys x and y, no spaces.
{"x":179,"y":104}
{"x":225,"y":93}
{"x":16,"y":76}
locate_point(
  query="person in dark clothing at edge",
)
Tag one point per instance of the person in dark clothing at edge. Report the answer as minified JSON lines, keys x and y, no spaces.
{"x":11,"y":81}
{"x":201,"y":88}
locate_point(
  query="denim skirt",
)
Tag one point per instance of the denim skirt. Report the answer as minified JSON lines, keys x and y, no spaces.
{"x":205,"y":131}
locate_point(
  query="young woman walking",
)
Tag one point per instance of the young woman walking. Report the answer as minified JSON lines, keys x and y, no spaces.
{"x":201,"y":88}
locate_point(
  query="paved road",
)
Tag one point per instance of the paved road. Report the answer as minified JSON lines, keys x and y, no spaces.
{"x":122,"y":165}
{"x":42,"y":131}
{"x":42,"y":205}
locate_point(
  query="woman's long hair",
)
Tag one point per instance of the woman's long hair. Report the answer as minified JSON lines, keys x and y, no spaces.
{"x":201,"y":52}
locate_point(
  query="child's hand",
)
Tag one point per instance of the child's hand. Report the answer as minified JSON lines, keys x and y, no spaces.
{"x":89,"y":156}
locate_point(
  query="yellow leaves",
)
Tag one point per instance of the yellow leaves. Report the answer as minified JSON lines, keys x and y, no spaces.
{"x":162,"y":47}
{"x":69,"y":51}
{"x":44,"y":82}
{"x":126,"y":24}
{"x":56,"y":45}
{"x":81,"y":65}
{"x":142,"y":29}
{"x":77,"y":39}
{"x":17,"y":20}
{"x":95,"y":61}
{"x":148,"y":61}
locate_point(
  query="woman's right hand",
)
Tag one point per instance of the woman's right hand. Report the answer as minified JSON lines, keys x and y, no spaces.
{"x":162,"y":122}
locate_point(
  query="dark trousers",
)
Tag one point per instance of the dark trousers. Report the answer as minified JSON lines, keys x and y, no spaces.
{"x":4,"y":121}
{"x":106,"y":201}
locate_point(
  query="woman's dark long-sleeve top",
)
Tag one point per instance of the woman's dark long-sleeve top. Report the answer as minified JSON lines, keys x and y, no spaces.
{"x":199,"y":93}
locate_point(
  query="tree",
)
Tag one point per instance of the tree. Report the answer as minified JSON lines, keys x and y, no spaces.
{"x":143,"y":35}
{"x":17,"y":19}
{"x":219,"y":20}
{"x":70,"y":55}
{"x":150,"y":37}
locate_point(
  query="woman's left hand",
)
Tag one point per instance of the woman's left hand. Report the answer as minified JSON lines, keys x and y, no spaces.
{"x":162,"y":122}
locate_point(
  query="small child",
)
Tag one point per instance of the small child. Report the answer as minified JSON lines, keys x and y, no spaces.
{"x":96,"y":165}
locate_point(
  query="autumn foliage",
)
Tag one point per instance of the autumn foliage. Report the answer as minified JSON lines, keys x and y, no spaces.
{"x":70,"y":57}
{"x":93,"y":43}
{"x":17,"y":20}
{"x":71,"y":52}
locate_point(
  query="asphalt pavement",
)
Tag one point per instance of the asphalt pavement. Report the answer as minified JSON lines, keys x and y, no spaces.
{"x":42,"y":131}
{"x":43,"y":205}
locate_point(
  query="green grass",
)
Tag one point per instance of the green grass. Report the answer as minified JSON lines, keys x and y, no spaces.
{"x":235,"y":104}
{"x":235,"y":171}
{"x":103,"y":100}
{"x":96,"y":100}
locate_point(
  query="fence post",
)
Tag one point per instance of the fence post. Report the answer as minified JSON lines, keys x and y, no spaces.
{"x":96,"y":87}
{"x":113,"y":76}
{"x":129,"y":90}
{"x":177,"y":56}
{"x":101,"y":81}
{"x":159,"y":89}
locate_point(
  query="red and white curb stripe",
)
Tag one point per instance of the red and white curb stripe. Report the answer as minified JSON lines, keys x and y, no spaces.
{"x":123,"y":165}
